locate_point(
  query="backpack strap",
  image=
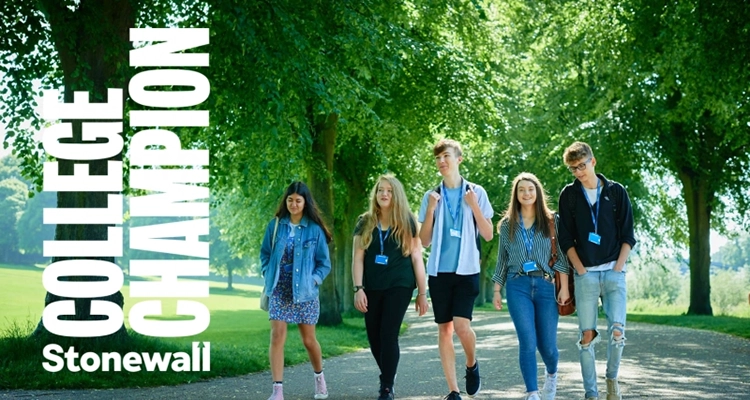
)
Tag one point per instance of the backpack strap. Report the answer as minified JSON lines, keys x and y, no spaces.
{"x":478,"y":241}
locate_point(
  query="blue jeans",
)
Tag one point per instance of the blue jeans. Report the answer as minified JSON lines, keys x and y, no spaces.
{"x":532,"y":306}
{"x":610,"y":286}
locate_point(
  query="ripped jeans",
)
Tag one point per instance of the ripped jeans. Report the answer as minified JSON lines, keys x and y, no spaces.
{"x":610,"y":285}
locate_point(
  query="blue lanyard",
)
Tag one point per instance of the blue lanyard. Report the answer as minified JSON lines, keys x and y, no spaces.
{"x":448,"y":203}
{"x":528,"y":241}
{"x":594,"y":216}
{"x":382,"y":238}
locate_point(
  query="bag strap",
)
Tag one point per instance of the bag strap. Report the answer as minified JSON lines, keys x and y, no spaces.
{"x":273,"y":238}
{"x":553,"y":241}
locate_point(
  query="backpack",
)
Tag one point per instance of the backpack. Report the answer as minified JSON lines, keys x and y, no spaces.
{"x":477,"y":240}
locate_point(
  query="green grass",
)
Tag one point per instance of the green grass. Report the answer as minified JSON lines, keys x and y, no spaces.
{"x":673,"y":316}
{"x":22,"y":294}
{"x":239,"y":334}
{"x":735,"y":326}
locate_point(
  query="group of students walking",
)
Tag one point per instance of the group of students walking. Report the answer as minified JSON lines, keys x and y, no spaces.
{"x":594,"y":229}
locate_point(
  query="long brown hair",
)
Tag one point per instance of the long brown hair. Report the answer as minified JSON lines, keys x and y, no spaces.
{"x":311,"y":211}
{"x":543,"y":213}
{"x":401,"y":216}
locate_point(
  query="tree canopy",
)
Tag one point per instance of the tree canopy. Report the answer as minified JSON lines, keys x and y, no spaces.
{"x":336,"y":92}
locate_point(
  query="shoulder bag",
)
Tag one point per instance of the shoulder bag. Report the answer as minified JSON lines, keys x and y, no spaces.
{"x":570,"y":306}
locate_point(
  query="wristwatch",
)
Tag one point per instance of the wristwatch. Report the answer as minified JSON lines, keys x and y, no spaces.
{"x":357,"y":288}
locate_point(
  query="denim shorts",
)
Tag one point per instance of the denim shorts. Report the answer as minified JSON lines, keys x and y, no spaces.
{"x":453,"y":295}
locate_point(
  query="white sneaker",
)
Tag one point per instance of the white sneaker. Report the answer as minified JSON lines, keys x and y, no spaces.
{"x":549,"y":391}
{"x":278,"y":392}
{"x":533,"y":396}
{"x":321,"y":390}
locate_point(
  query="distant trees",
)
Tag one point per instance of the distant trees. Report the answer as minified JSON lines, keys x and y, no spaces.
{"x":30,"y":229}
{"x":13,"y":194}
{"x":659,"y":281}
{"x":21,"y":228}
{"x":735,"y":254}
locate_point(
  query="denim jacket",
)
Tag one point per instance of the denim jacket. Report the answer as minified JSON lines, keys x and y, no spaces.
{"x":312,"y":263}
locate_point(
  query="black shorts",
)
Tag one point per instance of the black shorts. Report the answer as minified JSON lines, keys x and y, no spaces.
{"x":453,"y":295}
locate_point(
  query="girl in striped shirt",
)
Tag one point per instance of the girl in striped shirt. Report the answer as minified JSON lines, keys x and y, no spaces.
{"x":522,"y":267}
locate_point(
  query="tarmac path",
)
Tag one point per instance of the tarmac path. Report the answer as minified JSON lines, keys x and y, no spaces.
{"x":659,"y":362}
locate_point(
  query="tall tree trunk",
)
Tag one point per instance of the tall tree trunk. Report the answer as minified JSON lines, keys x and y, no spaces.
{"x":485,"y":275}
{"x":229,"y":279}
{"x":93,"y":43}
{"x":343,"y":270}
{"x":320,"y":179}
{"x":357,"y":197}
{"x":698,"y":199}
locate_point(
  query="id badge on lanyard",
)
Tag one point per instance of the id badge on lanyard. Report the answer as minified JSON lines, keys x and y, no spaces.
{"x":381,"y":258}
{"x":594,"y":236}
{"x":529,"y":266}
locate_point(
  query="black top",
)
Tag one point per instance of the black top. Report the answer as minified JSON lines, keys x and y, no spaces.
{"x":615,"y":222}
{"x":399,"y":272}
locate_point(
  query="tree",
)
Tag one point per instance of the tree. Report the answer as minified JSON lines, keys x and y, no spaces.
{"x":735,"y":254}
{"x":79,"y":46}
{"x":9,"y":168}
{"x":660,"y":87}
{"x":690,"y":104}
{"x":223,"y":261}
{"x":332,"y":92}
{"x":12,"y":202}
{"x":31,"y":231}
{"x":658,"y":280}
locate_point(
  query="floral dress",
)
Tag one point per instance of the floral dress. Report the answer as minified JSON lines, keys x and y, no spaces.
{"x":281,"y":306}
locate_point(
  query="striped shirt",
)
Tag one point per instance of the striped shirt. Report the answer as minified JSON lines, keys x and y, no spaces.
{"x":512,"y":254}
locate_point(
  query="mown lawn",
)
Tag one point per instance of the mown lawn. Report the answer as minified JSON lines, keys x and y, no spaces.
{"x":736,"y":326}
{"x":239,"y":334}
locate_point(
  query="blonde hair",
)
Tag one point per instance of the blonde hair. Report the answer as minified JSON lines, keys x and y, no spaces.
{"x":543,"y":213}
{"x":402,"y":219}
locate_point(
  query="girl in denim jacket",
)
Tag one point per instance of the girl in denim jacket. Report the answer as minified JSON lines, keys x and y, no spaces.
{"x":294,"y":265}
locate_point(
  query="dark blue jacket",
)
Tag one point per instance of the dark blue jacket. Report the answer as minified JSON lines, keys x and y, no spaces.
{"x":615,"y":224}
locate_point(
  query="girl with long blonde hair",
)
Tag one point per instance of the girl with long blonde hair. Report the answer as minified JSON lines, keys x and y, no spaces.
{"x":386,"y":267}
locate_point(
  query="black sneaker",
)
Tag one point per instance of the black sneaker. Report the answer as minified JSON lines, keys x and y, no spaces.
{"x":452,"y":396}
{"x":473,"y":382}
{"x":386,"y":393}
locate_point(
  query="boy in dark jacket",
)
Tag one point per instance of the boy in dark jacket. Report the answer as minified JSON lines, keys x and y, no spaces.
{"x":596,"y":232}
